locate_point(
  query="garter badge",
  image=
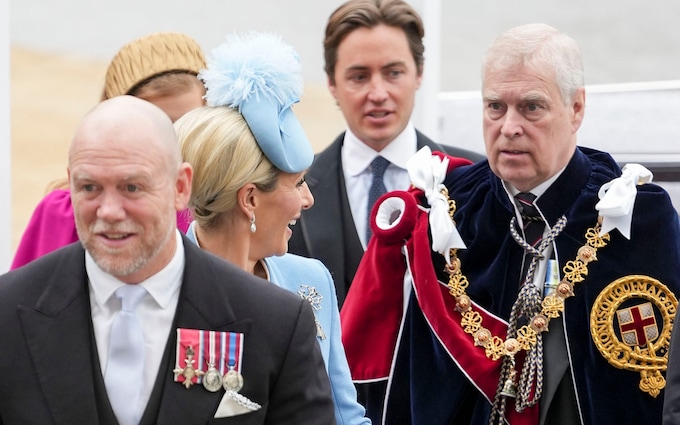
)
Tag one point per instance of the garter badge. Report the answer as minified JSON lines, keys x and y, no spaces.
{"x":630,"y":324}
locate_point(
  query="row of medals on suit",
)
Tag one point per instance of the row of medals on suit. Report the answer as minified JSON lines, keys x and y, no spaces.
{"x":212,"y":378}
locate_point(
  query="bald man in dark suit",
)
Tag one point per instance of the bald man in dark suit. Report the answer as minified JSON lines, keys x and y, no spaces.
{"x":127,"y":182}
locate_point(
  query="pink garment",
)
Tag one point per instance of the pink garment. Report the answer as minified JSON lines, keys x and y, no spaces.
{"x":52,"y":227}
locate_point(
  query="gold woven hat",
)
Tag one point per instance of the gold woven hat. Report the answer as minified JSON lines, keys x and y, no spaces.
{"x":149,"y":56}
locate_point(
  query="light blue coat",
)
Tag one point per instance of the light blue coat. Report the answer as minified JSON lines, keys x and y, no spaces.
{"x":311,"y":280}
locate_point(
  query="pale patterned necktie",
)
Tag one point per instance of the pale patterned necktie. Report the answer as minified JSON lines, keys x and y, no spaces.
{"x":378,"y":167}
{"x":125,"y":367}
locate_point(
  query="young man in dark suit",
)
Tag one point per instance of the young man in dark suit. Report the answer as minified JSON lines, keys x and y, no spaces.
{"x":374,"y":62}
{"x":203,"y":341}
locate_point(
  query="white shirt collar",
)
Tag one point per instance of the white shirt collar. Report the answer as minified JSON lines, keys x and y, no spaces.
{"x":357,"y":156}
{"x":160,"y":286}
{"x":537,"y":191}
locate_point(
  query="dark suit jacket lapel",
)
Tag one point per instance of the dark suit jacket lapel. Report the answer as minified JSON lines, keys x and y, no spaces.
{"x":202,"y":305}
{"x":423,"y":140}
{"x":57,"y":331}
{"x":338,"y":246}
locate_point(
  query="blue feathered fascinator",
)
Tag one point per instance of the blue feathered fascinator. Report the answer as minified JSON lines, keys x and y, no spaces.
{"x":260,"y":75}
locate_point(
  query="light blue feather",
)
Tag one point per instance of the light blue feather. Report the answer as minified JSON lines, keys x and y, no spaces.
{"x":252,"y":64}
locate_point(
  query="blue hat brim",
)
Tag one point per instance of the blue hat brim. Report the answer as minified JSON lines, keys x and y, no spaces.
{"x":278,"y":133}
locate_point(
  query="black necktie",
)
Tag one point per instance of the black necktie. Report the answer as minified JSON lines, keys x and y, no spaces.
{"x":377,"y":189}
{"x":533,"y":224}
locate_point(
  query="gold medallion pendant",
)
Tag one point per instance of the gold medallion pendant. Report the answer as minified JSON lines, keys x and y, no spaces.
{"x":630,"y":323}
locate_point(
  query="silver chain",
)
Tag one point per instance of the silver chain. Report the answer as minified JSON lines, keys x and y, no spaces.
{"x":527,"y":305}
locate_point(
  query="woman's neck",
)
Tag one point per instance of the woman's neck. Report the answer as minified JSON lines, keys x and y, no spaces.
{"x":260,"y":270}
{"x":230,"y":246}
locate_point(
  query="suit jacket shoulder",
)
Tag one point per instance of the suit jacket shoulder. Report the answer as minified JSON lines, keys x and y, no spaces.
{"x":45,"y":334}
{"x":423,"y":140}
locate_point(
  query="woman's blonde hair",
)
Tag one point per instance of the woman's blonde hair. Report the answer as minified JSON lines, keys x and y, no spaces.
{"x":220,"y":147}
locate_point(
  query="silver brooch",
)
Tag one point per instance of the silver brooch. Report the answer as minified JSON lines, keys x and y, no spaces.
{"x":310,"y":294}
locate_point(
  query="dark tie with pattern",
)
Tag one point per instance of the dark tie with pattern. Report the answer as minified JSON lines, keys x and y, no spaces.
{"x":377,"y":189}
{"x":533,"y":224}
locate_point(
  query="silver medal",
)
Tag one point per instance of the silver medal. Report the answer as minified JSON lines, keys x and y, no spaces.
{"x":212,"y":380}
{"x":232,"y":381}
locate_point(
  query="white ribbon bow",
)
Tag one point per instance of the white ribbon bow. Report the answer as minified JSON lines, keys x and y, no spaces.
{"x":427,"y":172}
{"x":617,"y":198}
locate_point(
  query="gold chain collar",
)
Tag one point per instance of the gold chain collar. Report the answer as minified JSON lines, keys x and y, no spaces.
{"x":552,"y":305}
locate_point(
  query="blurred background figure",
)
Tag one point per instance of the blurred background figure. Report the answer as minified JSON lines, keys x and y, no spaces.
{"x":250,"y":155}
{"x":160,"y":68}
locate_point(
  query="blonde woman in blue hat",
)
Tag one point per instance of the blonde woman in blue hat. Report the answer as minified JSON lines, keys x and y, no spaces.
{"x":250,"y":155}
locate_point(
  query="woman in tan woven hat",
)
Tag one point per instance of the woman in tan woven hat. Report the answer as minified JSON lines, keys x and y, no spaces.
{"x":161,"y":68}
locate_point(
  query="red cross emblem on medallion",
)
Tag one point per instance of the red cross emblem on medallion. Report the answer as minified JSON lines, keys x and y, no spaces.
{"x":638,"y":324}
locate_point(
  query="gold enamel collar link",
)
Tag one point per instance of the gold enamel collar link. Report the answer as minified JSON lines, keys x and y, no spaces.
{"x":552,"y":305}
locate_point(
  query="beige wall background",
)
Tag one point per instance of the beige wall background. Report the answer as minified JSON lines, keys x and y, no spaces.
{"x":49,"y":95}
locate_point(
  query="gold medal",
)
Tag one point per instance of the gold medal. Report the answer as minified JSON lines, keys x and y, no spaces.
{"x":188,"y":371}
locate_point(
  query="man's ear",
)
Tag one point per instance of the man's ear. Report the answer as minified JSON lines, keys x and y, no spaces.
{"x":578,"y":108}
{"x":419,"y":78}
{"x":183,"y":186}
{"x":331,"y":87}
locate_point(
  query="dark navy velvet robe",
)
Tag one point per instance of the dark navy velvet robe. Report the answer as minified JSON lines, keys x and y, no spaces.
{"x":426,"y":386}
